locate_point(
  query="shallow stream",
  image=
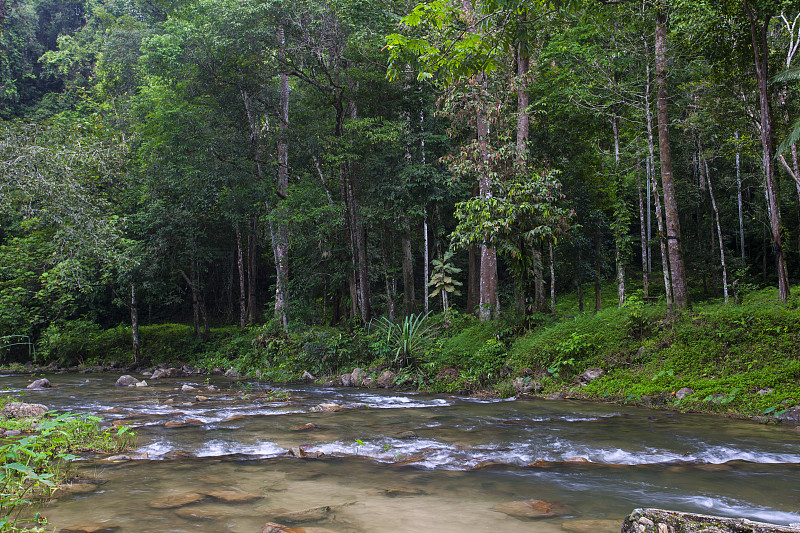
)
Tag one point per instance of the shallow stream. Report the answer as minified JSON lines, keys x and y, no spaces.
{"x":408,"y":462}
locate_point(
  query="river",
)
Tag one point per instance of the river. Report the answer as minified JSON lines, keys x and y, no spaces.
{"x":405,"y":462}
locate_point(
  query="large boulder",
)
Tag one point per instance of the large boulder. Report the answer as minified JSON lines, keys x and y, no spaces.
{"x":40,"y":384}
{"x":662,"y":521}
{"x":526,"y":386}
{"x":346,"y":379}
{"x":126,"y":381}
{"x":589,"y":375}
{"x":24,"y":410}
{"x":358,"y":376}
{"x":386,"y":381}
{"x":683,"y":393}
{"x":790,"y":416}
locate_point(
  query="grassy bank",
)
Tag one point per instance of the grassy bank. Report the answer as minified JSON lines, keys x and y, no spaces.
{"x":738,"y":359}
{"x":36,"y":455}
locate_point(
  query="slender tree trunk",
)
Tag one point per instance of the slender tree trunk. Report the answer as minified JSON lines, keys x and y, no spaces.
{"x":619,"y":216}
{"x":426,"y":260}
{"x":473,"y":279}
{"x":598,"y":289}
{"x":489,"y":305}
{"x":677,"y":270}
{"x":388,"y":280}
{"x":761,"y":55}
{"x":662,"y":241}
{"x":282,"y":244}
{"x":408,"y":275}
{"x":552,"y":279}
{"x":538,"y":278}
{"x":642,"y":231}
{"x":135,"y":325}
{"x":252,"y":272}
{"x":739,"y":199}
{"x":719,"y":234}
{"x":240,"y":266}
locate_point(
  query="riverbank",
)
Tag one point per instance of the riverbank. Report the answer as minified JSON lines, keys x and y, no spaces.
{"x":37,"y":447}
{"x":740,"y":360}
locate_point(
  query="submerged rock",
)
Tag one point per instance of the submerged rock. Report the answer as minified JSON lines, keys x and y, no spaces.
{"x":591,"y":526}
{"x":233,"y":496}
{"x":530,"y":509}
{"x":186,"y":423}
{"x":305,"y":427}
{"x":314,"y":514}
{"x":98,"y":527}
{"x":272,"y":527}
{"x":24,"y":410}
{"x":39,"y":384}
{"x":177,"y":500}
{"x":187,"y":388}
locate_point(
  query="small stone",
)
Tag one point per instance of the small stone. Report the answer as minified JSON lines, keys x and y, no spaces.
{"x":126,"y":381}
{"x":402,"y":492}
{"x":177,"y":500}
{"x":305,"y":427}
{"x":346,"y":379}
{"x":142,"y":383}
{"x":662,"y":528}
{"x":201,"y":398}
{"x":39,"y":384}
{"x":272,"y":527}
{"x":308,"y":376}
{"x":232,"y":373}
{"x":327,"y":408}
{"x":118,"y":458}
{"x":764,"y":392}
{"x":530,"y":509}
{"x":186,"y":388}
{"x":646,"y":521}
{"x":683,"y":393}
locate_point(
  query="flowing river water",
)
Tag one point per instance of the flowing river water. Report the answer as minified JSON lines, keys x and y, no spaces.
{"x":404,"y":462}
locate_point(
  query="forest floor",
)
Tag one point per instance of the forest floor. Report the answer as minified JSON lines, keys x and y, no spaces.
{"x":737,"y":359}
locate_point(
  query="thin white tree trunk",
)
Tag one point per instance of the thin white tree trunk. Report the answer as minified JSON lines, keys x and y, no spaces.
{"x":719,"y":233}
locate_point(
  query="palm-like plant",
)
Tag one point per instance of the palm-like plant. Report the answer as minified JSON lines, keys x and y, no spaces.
{"x":790,"y":74}
{"x":442,"y":279}
{"x":407,"y":337}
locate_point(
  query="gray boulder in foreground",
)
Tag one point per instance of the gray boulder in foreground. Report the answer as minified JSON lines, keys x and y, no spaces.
{"x":24,"y":410}
{"x":662,"y":521}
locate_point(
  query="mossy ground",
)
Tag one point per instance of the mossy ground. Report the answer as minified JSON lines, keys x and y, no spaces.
{"x":740,"y":359}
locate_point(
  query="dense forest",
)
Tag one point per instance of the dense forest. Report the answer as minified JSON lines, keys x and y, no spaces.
{"x":327,"y":163}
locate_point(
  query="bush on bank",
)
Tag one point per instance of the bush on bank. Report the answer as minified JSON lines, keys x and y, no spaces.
{"x":737,"y":358}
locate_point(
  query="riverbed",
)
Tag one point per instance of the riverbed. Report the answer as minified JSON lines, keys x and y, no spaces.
{"x":381,"y":461}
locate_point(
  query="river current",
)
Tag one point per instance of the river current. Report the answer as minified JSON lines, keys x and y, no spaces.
{"x":405,"y":462}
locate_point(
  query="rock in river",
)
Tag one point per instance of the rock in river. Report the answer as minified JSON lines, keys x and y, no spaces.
{"x":326,"y":408}
{"x":530,"y":509}
{"x":126,"y":381}
{"x":233,"y":496}
{"x":177,"y":500}
{"x":592,"y":526}
{"x":272,"y":527}
{"x":39,"y":384}
{"x":314,"y":514}
{"x":89,"y":528}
